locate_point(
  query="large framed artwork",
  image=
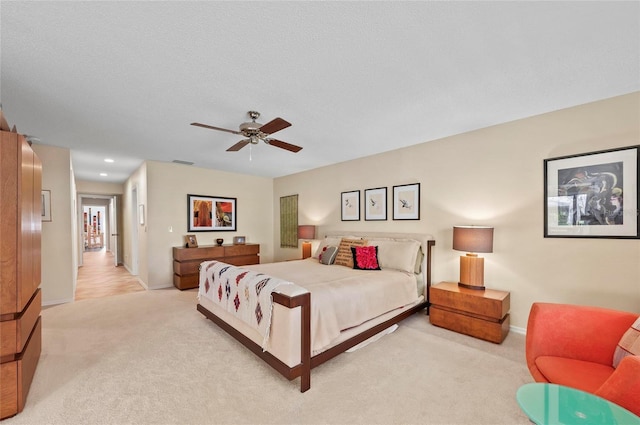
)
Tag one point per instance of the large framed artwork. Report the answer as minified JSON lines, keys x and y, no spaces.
{"x":211,"y":213}
{"x":592,"y":195}
{"x":350,"y":205}
{"x":406,"y":202}
{"x":375,"y":204}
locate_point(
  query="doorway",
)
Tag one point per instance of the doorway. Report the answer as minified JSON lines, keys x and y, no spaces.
{"x":100,"y":271}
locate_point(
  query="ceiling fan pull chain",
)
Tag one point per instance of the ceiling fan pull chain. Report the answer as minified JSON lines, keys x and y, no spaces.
{"x":250,"y":149}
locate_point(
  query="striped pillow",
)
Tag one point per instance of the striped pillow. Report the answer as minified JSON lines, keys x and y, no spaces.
{"x":629,"y":344}
{"x":345,"y":257}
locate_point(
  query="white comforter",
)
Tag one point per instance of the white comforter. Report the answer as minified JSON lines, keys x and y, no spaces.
{"x":341,"y":297}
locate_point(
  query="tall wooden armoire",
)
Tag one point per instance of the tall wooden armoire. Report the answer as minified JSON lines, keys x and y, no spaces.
{"x":20,"y":270}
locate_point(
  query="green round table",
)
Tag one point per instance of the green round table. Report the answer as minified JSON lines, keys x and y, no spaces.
{"x":551,"y":404}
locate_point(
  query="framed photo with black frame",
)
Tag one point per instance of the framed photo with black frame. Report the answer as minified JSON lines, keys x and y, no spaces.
{"x":406,"y":202}
{"x":211,"y":213}
{"x":592,"y":195}
{"x":375,"y":204}
{"x":350,"y":206}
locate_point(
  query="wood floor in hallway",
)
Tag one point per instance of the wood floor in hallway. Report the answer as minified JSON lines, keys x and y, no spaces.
{"x":98,"y":277}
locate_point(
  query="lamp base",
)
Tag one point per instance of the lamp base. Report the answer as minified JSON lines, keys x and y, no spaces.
{"x":464,"y":285}
{"x":471,"y":271}
{"x":306,"y":250}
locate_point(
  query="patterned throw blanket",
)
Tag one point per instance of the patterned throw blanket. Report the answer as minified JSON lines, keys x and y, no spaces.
{"x":244,"y":293}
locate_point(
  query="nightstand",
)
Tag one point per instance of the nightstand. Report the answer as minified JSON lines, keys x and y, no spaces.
{"x":482,"y":314}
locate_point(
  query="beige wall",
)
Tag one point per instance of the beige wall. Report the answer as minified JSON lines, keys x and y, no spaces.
{"x":494,"y":176}
{"x":134,"y":233}
{"x":163,"y":188}
{"x":59,"y":263}
{"x":99,"y":188}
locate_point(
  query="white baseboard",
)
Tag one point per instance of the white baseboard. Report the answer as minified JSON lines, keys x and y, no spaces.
{"x":56,"y":302}
{"x":518,"y":330}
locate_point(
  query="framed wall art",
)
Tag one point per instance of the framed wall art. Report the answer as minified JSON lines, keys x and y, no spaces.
{"x":45,"y":199}
{"x":211,"y":213}
{"x":350,"y":205}
{"x":592,"y":195}
{"x":375,"y":204}
{"x":406,"y":202}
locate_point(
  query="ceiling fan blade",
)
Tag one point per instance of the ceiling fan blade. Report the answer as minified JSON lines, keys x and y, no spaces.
{"x":274,"y":125}
{"x":241,"y":144}
{"x":215,"y":128}
{"x":283,"y":145}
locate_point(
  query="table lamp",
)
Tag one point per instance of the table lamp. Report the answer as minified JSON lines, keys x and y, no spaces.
{"x":472,"y":239}
{"x":306,"y":232}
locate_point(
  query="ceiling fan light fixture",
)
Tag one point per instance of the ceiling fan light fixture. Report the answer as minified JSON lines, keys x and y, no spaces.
{"x":255,"y":132}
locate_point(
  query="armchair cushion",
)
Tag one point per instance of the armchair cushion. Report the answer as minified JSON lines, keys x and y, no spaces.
{"x":585,"y":376}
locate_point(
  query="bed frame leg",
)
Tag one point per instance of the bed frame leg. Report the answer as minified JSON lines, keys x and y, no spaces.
{"x":305,"y":342}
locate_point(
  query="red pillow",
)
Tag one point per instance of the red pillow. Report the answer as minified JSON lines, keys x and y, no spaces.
{"x":365,"y":257}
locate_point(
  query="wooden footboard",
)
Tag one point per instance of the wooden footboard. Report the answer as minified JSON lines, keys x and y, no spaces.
{"x":303,"y":370}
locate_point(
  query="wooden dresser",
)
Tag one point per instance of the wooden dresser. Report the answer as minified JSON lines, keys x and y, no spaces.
{"x":186,"y":261}
{"x":20,"y":271}
{"x":483,"y":314}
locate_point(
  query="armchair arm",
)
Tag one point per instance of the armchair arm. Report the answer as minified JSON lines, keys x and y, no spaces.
{"x":575,"y":332}
{"x":623,"y":386}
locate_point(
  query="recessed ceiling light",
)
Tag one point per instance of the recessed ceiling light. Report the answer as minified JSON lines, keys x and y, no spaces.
{"x":108,"y":160}
{"x":103,"y":174}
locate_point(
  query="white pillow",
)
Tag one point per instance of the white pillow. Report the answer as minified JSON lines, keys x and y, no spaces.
{"x":397,"y":254}
{"x":329,"y":255}
{"x":328,"y":241}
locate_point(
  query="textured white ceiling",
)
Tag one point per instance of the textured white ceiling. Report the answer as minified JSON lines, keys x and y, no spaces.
{"x":125,"y":79}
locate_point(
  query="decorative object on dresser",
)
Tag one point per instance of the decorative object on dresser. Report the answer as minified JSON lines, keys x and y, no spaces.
{"x":219,"y":241}
{"x":192,"y":241}
{"x":239,"y":240}
{"x":306,"y":233}
{"x":472,"y":239}
{"x":20,"y":275}
{"x":481,"y":314}
{"x":186,"y":261}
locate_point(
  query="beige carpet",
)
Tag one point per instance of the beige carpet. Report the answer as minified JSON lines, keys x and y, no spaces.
{"x":151,"y":358}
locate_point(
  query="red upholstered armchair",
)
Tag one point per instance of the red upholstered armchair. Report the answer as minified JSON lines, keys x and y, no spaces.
{"x":573,"y":345}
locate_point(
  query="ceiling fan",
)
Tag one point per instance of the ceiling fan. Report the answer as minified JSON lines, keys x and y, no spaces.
{"x":255,"y":132}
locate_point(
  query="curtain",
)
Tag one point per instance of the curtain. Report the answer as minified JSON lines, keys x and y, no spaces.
{"x":289,"y":221}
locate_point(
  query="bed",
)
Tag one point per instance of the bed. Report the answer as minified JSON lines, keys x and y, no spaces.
{"x":317,"y":311}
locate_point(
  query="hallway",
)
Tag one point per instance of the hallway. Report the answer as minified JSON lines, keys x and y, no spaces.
{"x":98,"y":277}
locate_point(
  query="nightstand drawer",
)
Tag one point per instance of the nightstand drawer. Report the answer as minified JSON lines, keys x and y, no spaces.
{"x":469,"y":325}
{"x":488,"y":304}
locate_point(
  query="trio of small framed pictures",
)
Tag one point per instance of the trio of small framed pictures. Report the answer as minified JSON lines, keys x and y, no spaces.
{"x":405,"y":206}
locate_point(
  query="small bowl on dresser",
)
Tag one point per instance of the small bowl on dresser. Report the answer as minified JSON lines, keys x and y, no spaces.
{"x":219,"y":241}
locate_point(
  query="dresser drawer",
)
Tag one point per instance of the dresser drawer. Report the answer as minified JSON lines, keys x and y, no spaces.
{"x":15,"y":333}
{"x":199,"y":253}
{"x":235,"y":250}
{"x":493,"y":331}
{"x":16,"y":376}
